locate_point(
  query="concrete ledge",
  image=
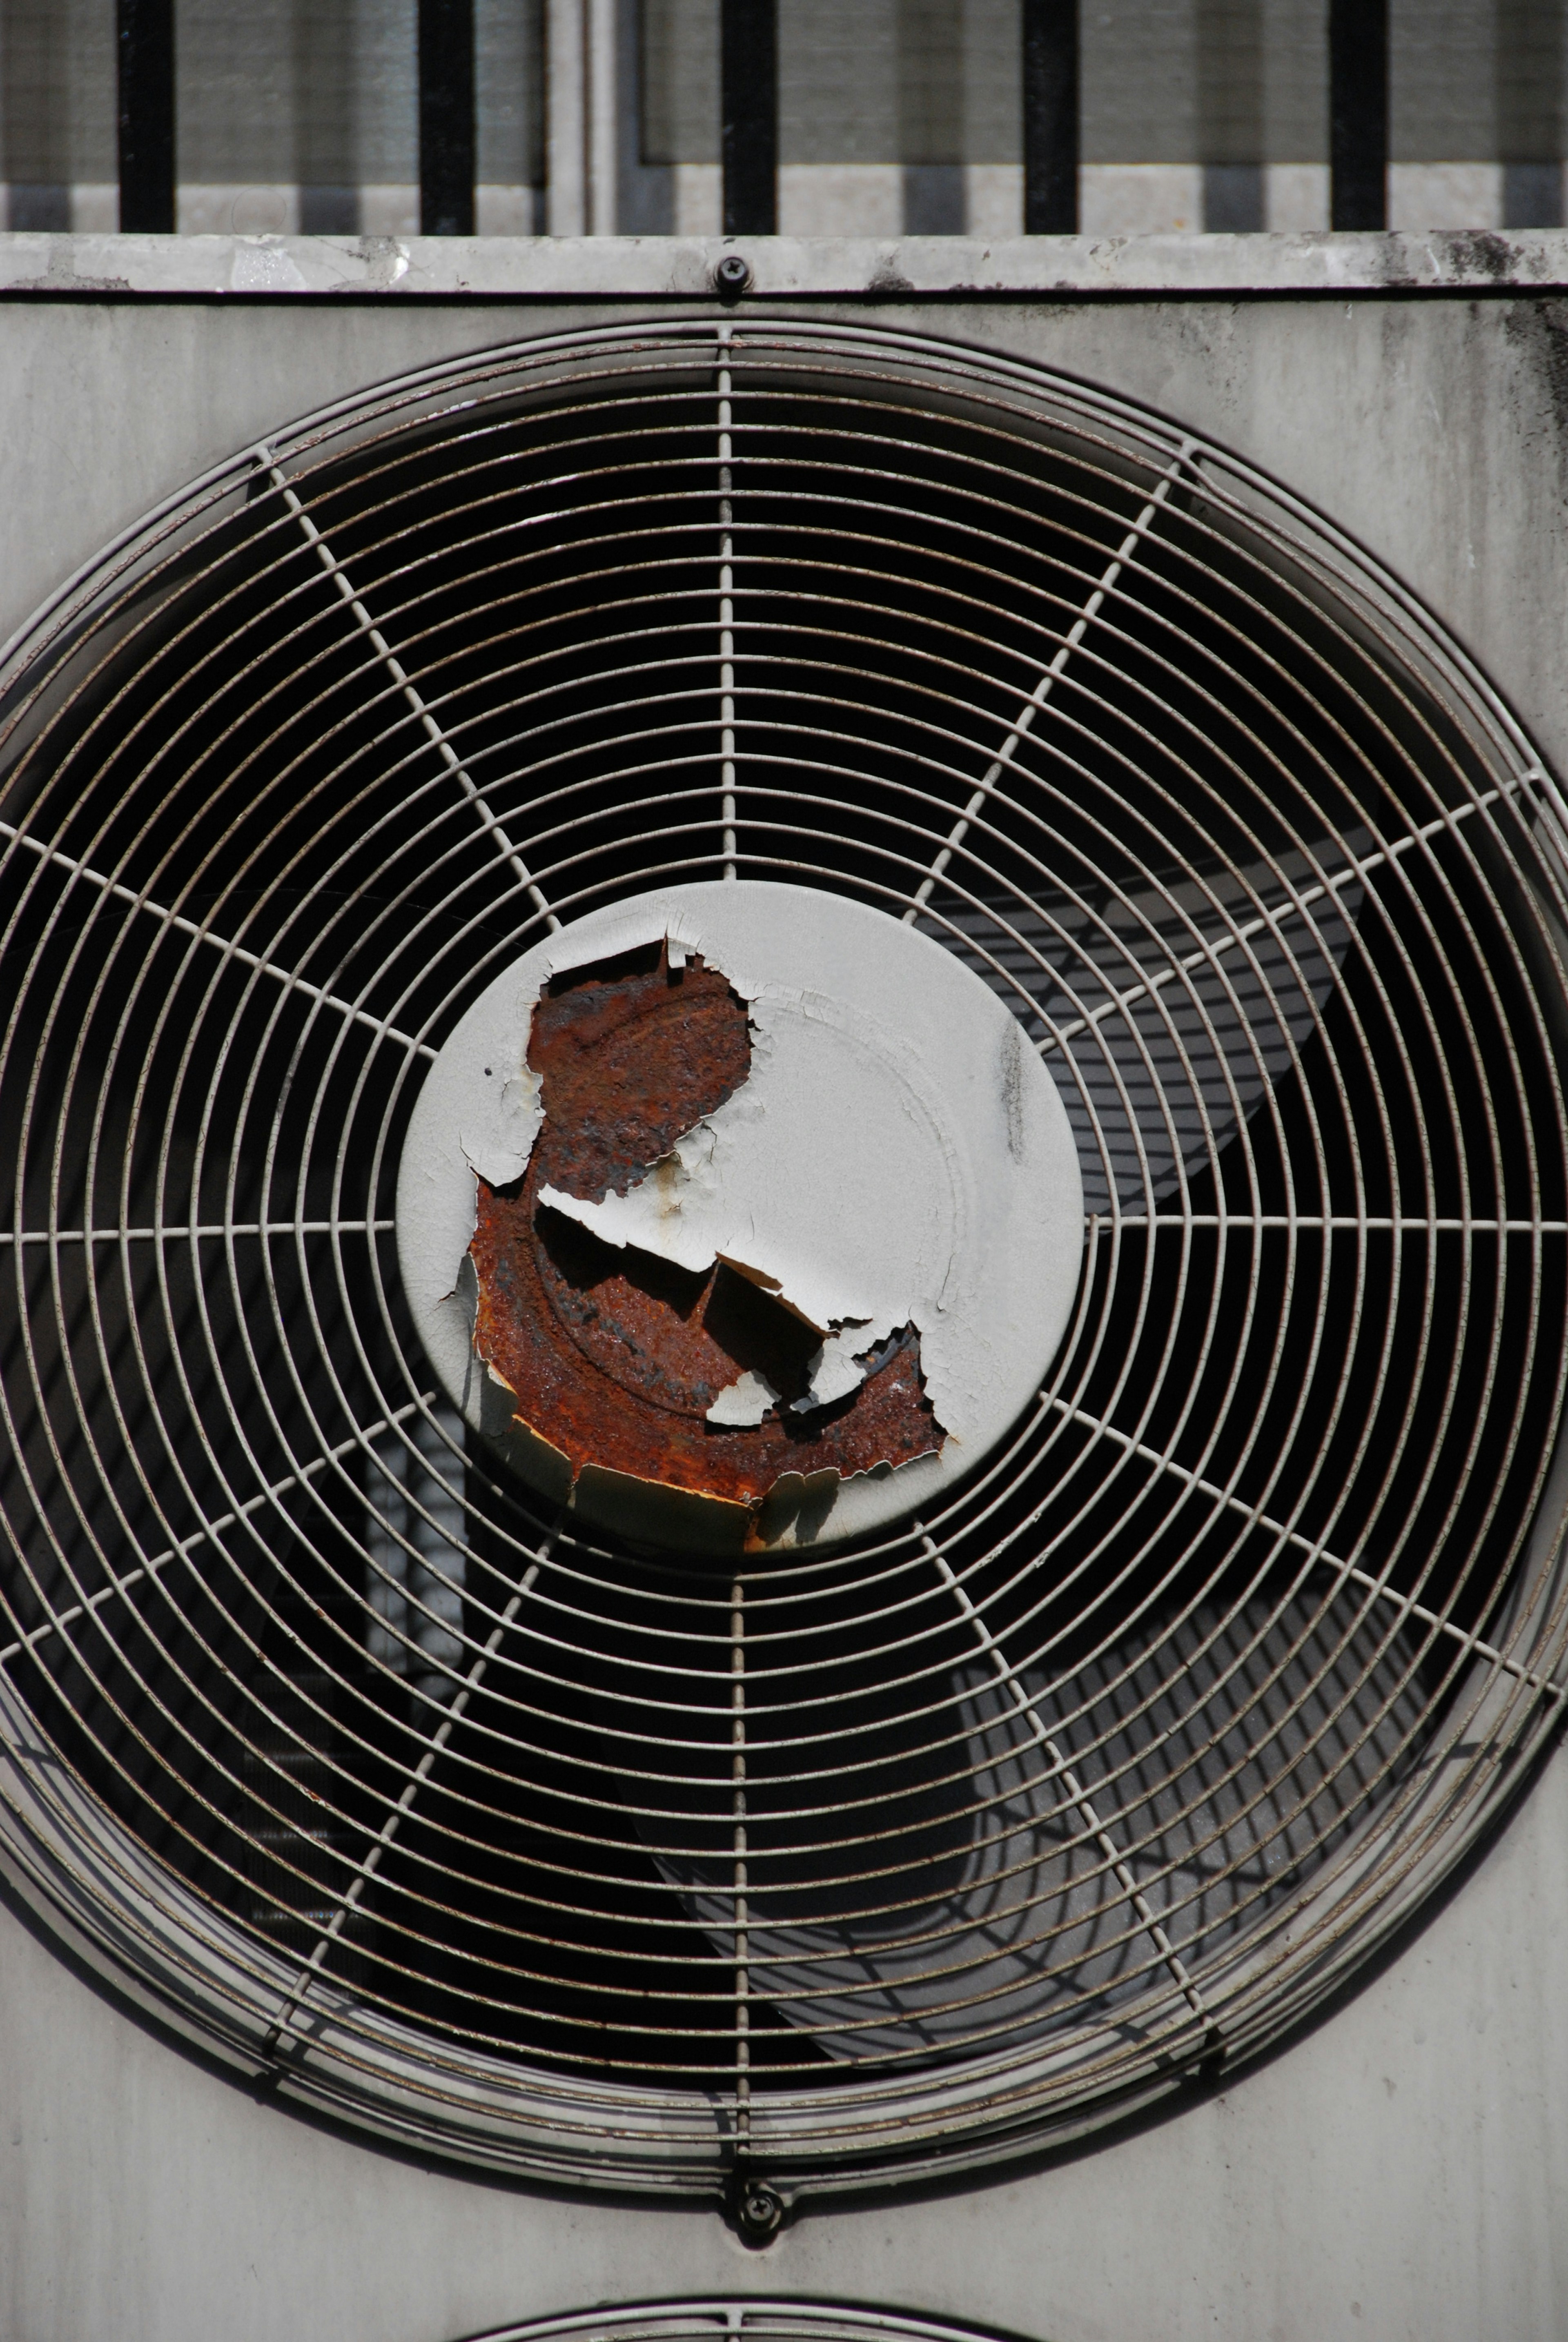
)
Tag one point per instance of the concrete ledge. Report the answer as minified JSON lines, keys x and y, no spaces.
{"x":636,"y":267}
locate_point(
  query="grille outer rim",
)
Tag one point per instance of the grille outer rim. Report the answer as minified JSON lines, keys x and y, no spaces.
{"x":796,"y":2140}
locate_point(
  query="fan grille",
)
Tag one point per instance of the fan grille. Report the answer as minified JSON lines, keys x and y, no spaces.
{"x":726,"y":2321}
{"x":580,"y":1858}
{"x":720,"y":2320}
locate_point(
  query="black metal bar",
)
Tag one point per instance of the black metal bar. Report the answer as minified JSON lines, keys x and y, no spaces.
{"x":1051,"y":117}
{"x":447,"y":136}
{"x":749,"y":119}
{"x":1358,"y":113}
{"x":144,"y":61}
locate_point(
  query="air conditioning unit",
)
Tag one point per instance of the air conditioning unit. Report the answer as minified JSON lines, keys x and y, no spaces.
{"x":786,"y":1235}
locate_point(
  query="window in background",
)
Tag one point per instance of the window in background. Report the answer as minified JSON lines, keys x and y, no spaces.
{"x":302,"y":116}
{"x":1444,"y":170}
{"x":57,"y":113}
{"x":895,"y":116}
{"x":1477,"y":113}
{"x":678,"y":148}
{"x":1529,"y":72}
{"x":291,"y":115}
{"x":509,"y":80}
{"x":1205,"y":113}
{"x":245,"y":102}
{"x":931,"y":86}
{"x":1230,"y":138}
{"x":904,"y":115}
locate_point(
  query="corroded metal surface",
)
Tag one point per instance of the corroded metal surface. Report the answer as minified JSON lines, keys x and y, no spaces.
{"x":615,"y":1355}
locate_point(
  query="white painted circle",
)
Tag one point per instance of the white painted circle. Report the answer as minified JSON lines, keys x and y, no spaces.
{"x":898,"y":1153}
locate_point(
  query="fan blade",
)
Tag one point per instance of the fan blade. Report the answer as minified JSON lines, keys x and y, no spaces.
{"x":1169,"y":1010}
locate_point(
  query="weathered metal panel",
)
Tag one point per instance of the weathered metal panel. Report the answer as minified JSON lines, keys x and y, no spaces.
{"x":1397,"y":2173}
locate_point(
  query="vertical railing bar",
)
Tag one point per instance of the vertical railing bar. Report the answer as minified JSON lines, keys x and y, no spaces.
{"x":144,"y":47}
{"x":1051,"y":137}
{"x":602,"y":131}
{"x":566,"y":110}
{"x":748,"y":122}
{"x":1358,"y":113}
{"x":447,"y":124}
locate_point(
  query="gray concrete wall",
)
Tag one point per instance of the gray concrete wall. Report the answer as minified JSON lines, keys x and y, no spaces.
{"x":1435,"y":430}
{"x":1398,"y":2172}
{"x":1397,"y":2176}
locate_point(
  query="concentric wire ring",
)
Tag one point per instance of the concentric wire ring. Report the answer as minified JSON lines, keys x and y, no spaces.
{"x":595,"y":1862}
{"x":749,"y":2318}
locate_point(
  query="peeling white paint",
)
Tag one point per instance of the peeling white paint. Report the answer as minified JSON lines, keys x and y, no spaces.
{"x":834,"y":1175}
{"x":897,"y":1155}
{"x":265,"y":264}
{"x":744,"y":1402}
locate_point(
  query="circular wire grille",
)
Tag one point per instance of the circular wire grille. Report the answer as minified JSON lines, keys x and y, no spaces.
{"x":593,"y":1861}
{"x":768,"y":2320}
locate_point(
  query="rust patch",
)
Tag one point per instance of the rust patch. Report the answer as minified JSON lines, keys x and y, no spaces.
{"x":614,"y":1356}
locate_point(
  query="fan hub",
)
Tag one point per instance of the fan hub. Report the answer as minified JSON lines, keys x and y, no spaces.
{"x":757,"y":1209}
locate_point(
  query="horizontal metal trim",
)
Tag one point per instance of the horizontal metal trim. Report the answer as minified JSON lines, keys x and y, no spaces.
{"x":1436,"y":260}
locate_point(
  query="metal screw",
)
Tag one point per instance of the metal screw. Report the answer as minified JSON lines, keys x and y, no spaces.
{"x":758,"y":2212}
{"x":732,"y":277}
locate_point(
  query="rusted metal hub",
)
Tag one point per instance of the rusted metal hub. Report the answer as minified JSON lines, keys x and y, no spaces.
{"x":740,"y":1212}
{"x":614,"y":1354}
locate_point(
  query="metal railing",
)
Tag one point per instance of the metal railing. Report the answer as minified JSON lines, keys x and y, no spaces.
{"x":1050,"y":82}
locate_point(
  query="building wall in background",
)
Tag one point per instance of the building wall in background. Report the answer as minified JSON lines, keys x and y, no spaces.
{"x":902,"y":115}
{"x":57,"y":109}
{"x":895,"y":115}
{"x":291,"y":115}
